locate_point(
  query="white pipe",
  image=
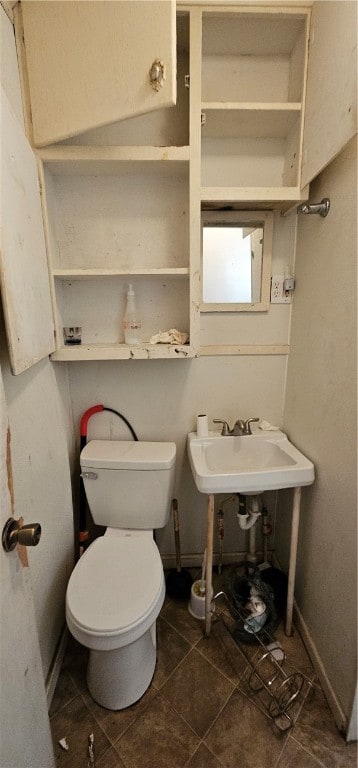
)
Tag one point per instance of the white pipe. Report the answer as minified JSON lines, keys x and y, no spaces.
{"x":251,"y":556}
{"x":248,"y":520}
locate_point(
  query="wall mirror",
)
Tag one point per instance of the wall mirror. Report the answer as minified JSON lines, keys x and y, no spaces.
{"x":236,"y":254}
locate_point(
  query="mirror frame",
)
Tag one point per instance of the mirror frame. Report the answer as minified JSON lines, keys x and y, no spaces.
{"x":262,"y":219}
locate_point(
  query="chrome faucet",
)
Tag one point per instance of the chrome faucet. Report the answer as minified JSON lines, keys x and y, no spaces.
{"x":240,"y":427}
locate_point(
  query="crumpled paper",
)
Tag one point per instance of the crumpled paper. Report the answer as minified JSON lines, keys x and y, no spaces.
{"x":169,"y":337}
{"x":267,"y":427}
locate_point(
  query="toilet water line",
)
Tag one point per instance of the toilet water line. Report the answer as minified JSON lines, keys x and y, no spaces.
{"x":266,"y":532}
{"x":83,"y":532}
{"x":251,"y":556}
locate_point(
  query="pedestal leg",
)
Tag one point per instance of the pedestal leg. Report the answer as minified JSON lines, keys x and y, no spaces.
{"x":209,"y":562}
{"x":293,"y":558}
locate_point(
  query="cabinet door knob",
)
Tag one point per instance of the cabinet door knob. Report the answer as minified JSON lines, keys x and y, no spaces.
{"x":157,"y":74}
{"x":15,"y":533}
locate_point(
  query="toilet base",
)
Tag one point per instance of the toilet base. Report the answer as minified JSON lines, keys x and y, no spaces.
{"x":116,"y":679}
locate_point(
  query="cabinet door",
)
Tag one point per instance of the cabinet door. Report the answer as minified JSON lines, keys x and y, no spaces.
{"x":88,"y":62}
{"x":331,"y":101}
{"x":23,"y":267}
{"x":22,"y":693}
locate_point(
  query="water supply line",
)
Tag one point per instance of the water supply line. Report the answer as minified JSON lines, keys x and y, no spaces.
{"x":266,"y":532}
{"x":83,"y":534}
{"x":251,"y":555}
{"x":221,"y":532}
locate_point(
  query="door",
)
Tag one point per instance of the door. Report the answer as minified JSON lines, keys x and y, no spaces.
{"x":88,"y":62}
{"x":25,"y":729}
{"x":25,"y":284}
{"x":331,"y":100}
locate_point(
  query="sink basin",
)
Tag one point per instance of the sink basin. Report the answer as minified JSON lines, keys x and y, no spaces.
{"x":254,"y":463}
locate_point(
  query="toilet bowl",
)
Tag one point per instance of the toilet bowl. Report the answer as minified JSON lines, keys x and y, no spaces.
{"x":113,"y":599}
{"x":117,"y":588}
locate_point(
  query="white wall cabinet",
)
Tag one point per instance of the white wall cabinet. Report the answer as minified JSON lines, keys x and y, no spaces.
{"x":117,"y":211}
{"x":23,"y":264}
{"x":122,"y":198}
{"x":88,"y":63}
{"x":118,"y":216}
{"x":252,"y":101}
{"x":331,"y":103}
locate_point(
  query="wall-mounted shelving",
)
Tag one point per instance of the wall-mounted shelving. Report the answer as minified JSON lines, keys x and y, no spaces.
{"x":253,"y":84}
{"x":117,"y":211}
{"x":122,"y":202}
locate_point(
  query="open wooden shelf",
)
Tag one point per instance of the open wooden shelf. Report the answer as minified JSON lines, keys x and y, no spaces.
{"x":83,"y":274}
{"x":145,"y":351}
{"x":82,"y":160}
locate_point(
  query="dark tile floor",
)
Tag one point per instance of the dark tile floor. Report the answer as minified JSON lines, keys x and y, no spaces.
{"x":198,"y":711}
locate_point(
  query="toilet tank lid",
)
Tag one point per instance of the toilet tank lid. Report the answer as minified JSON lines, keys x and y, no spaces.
{"x":128,"y":454}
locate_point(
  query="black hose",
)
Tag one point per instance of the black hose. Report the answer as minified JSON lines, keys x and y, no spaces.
{"x":123,"y":419}
{"x":82,"y":523}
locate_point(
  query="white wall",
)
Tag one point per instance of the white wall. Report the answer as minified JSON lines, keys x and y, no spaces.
{"x":9,"y":68}
{"x":321,"y":419}
{"x":161,"y":398}
{"x":270,"y":327}
{"x":39,"y":444}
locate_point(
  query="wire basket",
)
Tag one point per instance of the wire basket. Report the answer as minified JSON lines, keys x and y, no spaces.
{"x":269,"y":675}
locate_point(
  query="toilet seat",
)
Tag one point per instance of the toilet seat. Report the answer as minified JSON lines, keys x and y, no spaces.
{"x":115,"y":592}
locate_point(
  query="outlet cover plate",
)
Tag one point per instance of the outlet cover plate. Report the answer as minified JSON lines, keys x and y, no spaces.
{"x":278,"y":294}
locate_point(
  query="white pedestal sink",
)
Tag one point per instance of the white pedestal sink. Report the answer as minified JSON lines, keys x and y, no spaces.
{"x":253,"y":463}
{"x":263,"y":461}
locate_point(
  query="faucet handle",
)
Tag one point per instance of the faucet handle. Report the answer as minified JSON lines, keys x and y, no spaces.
{"x":247,"y":423}
{"x":225,"y":429}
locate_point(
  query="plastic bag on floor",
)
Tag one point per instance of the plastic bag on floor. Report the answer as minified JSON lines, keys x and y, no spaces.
{"x":252,"y":605}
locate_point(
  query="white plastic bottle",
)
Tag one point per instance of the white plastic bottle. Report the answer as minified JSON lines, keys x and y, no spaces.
{"x":131,"y":322}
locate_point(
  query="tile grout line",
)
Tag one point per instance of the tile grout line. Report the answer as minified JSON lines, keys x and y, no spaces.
{"x":209,"y":750}
{"x":174,"y":670}
{"x":58,"y":711}
{"x":192,"y":644}
{"x":219,"y":713}
{"x":317,"y":760}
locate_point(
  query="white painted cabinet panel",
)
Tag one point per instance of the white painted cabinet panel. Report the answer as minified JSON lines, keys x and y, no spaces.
{"x":88,"y":62}
{"x":24,"y":273}
{"x":22,"y":692}
{"x":331,"y":101}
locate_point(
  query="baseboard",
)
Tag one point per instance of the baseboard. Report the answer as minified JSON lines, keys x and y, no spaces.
{"x":195,"y":560}
{"x":334,"y":705}
{"x":352,"y":730}
{"x":54,"y":672}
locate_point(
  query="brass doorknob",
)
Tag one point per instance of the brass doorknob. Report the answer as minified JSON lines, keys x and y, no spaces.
{"x":157,"y":74}
{"x":14,"y":533}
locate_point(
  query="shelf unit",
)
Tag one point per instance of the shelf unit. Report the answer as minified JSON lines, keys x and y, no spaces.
{"x":252,"y":102}
{"x":111,"y":214}
{"x":122,"y":203}
{"x":117,"y":210}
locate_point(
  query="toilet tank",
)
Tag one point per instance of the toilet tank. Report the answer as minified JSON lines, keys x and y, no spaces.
{"x":129,"y":484}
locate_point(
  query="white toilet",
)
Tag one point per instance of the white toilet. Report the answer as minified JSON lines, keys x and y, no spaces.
{"x":117,"y":588}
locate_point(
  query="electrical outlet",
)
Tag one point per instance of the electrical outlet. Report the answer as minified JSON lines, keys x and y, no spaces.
{"x":278,"y":294}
